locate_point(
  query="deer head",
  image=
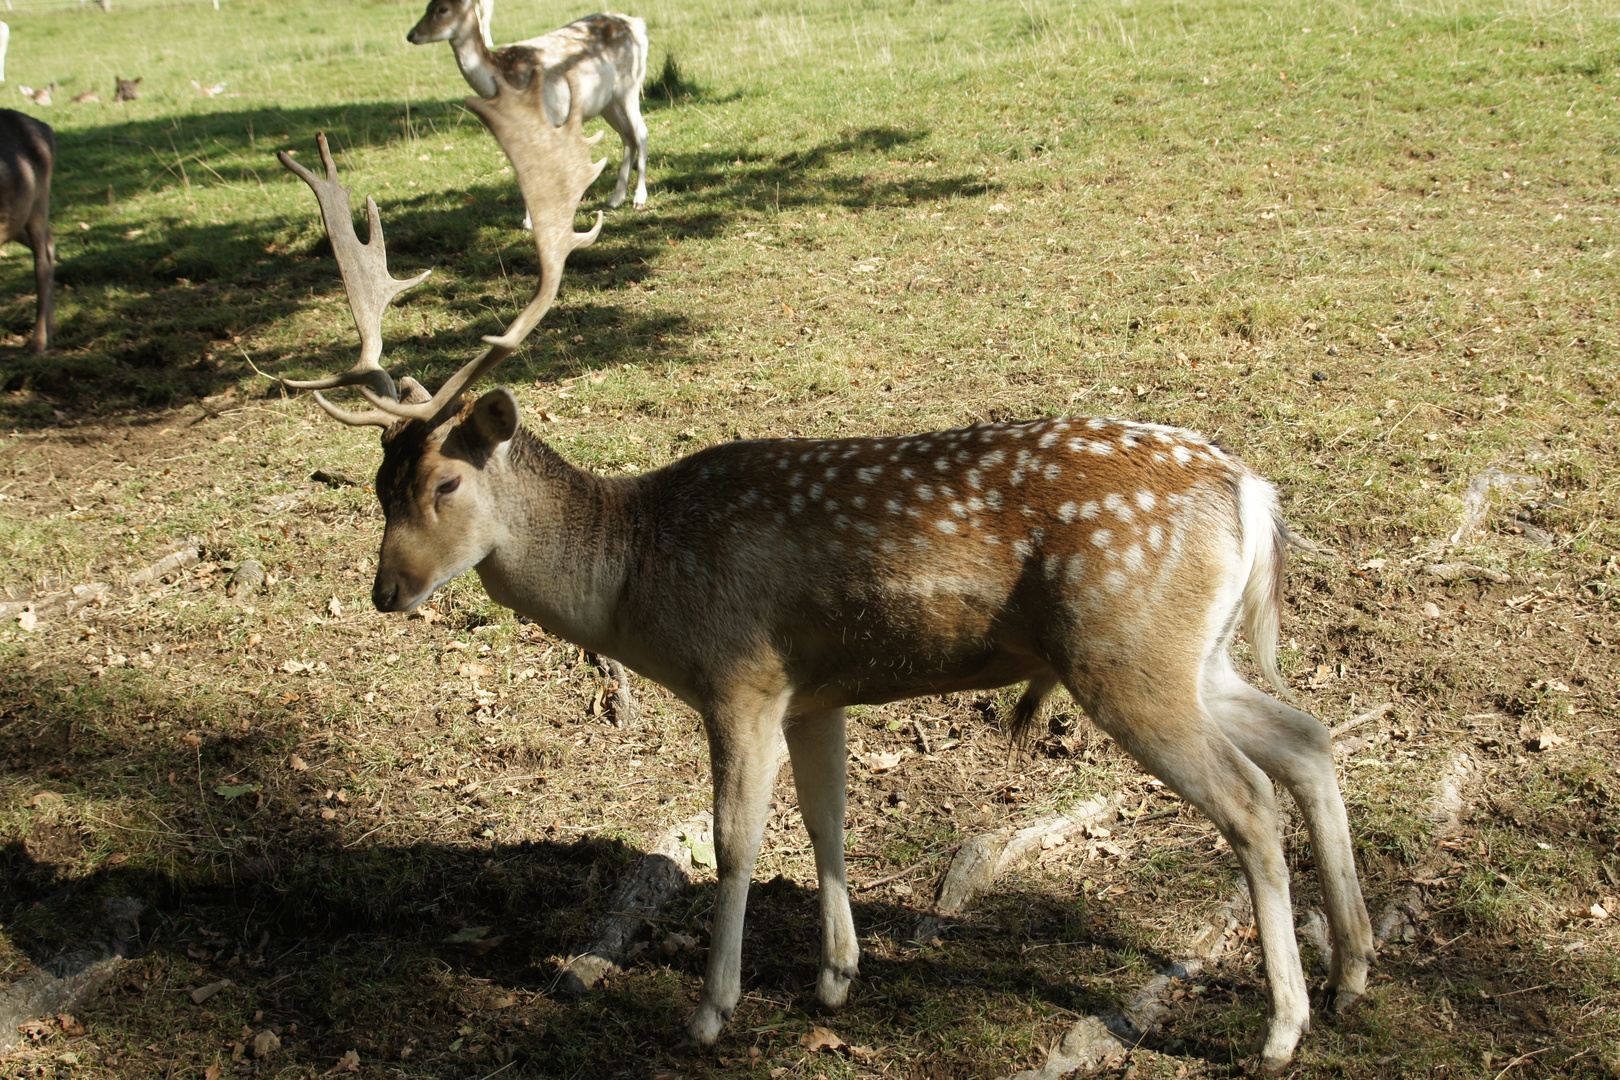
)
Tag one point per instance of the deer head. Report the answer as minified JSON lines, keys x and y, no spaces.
{"x":427,"y":456}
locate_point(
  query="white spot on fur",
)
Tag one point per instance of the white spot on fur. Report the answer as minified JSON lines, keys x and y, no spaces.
{"x":1047,"y":440}
{"x":1155,"y":537}
{"x":1102,"y":538}
{"x":1022,"y":549}
{"x":1052,"y":471}
{"x":1115,"y":581}
{"x":1090,"y":510}
{"x":868,"y":474}
{"x":925,"y":492}
{"x":1146,"y":500}
{"x":1133,"y":559}
{"x":946,"y":525}
{"x":892,"y":506}
{"x":1116,"y":504}
{"x":1181,"y":454}
{"x":1066,"y":513}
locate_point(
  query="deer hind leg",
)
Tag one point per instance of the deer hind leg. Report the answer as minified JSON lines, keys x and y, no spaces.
{"x":744,"y":741}
{"x":1295,"y":749}
{"x":624,"y":116}
{"x":37,"y":235}
{"x":1170,"y":734}
{"x":820,"y":772}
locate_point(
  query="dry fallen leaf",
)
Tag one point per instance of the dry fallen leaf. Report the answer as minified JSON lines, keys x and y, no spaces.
{"x":349,"y":1062}
{"x":475,"y":671}
{"x":1548,"y":739}
{"x":334,"y":609}
{"x":883,"y":762}
{"x":296,"y":763}
{"x":213,"y":1072}
{"x":203,"y":993}
{"x":191,"y":739}
{"x":26,"y":619}
{"x":266,"y":1043}
{"x":819,"y":1038}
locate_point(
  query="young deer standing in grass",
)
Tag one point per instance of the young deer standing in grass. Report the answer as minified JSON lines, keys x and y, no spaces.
{"x":771,"y":584}
{"x":606,"y":53}
{"x":27,"y":157}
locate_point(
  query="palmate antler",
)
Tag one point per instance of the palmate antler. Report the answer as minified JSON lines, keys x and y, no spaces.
{"x":554,"y":169}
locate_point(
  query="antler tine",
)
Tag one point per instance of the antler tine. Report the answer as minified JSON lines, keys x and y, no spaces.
{"x":554,"y":170}
{"x":369,"y":418}
{"x":366,"y":280}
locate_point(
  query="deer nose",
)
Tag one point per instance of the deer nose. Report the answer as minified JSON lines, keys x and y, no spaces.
{"x":384,"y":594}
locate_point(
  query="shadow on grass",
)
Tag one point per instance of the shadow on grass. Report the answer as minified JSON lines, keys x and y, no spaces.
{"x":318,"y":925}
{"x":151,"y":315}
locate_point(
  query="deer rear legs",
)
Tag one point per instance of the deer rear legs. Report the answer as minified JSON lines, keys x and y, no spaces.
{"x":1296,"y":750}
{"x":1176,"y":741}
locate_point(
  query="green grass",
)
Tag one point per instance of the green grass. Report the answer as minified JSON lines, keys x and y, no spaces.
{"x":1372,"y":247}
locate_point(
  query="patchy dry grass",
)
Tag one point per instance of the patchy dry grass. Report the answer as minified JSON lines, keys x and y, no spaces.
{"x":1370,"y":246}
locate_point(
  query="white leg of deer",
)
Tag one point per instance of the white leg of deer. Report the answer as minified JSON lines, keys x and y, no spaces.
{"x":743,"y":745}
{"x":820,"y":772}
{"x":625,"y":118}
{"x":1171,"y":737}
{"x":1296,"y":750}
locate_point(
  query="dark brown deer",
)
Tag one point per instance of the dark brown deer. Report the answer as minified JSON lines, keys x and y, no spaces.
{"x":27,"y":157}
{"x":604,"y":56}
{"x":771,"y":584}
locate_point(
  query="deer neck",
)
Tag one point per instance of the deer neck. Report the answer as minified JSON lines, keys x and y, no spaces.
{"x":563,"y":550}
{"x":474,"y":58}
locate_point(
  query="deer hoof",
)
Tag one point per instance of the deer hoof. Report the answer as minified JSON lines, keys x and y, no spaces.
{"x":706,"y":1024}
{"x":832,"y":988}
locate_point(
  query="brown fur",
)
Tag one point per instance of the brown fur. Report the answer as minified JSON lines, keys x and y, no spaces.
{"x":27,"y":158}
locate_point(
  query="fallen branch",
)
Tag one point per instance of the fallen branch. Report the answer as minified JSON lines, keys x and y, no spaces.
{"x":179,"y":556}
{"x":66,"y":982}
{"x":1375,"y":713}
{"x":985,"y":857}
{"x":661,"y":873}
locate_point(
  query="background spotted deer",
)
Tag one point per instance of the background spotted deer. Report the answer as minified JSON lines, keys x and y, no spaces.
{"x":603,"y":57}
{"x":771,"y":584}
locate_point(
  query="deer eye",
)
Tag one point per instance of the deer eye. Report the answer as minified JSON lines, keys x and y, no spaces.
{"x":448,"y":486}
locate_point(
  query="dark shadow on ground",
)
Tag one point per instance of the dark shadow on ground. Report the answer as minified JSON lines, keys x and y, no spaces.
{"x":152,"y":315}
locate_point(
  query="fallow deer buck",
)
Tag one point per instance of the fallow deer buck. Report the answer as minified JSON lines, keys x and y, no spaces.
{"x":27,"y":158}
{"x":603,"y":56}
{"x":773,"y":583}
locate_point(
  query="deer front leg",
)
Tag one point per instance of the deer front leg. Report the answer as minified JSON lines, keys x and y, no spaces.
{"x":743,"y":745}
{"x":817,"y":749}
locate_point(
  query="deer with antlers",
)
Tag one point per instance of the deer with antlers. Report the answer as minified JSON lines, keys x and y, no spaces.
{"x":771,"y":584}
{"x":603,"y":57}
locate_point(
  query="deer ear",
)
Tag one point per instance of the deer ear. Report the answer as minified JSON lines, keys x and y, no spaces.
{"x":495,"y":417}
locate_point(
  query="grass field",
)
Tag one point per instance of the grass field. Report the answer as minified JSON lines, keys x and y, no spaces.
{"x":1371,"y":247}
